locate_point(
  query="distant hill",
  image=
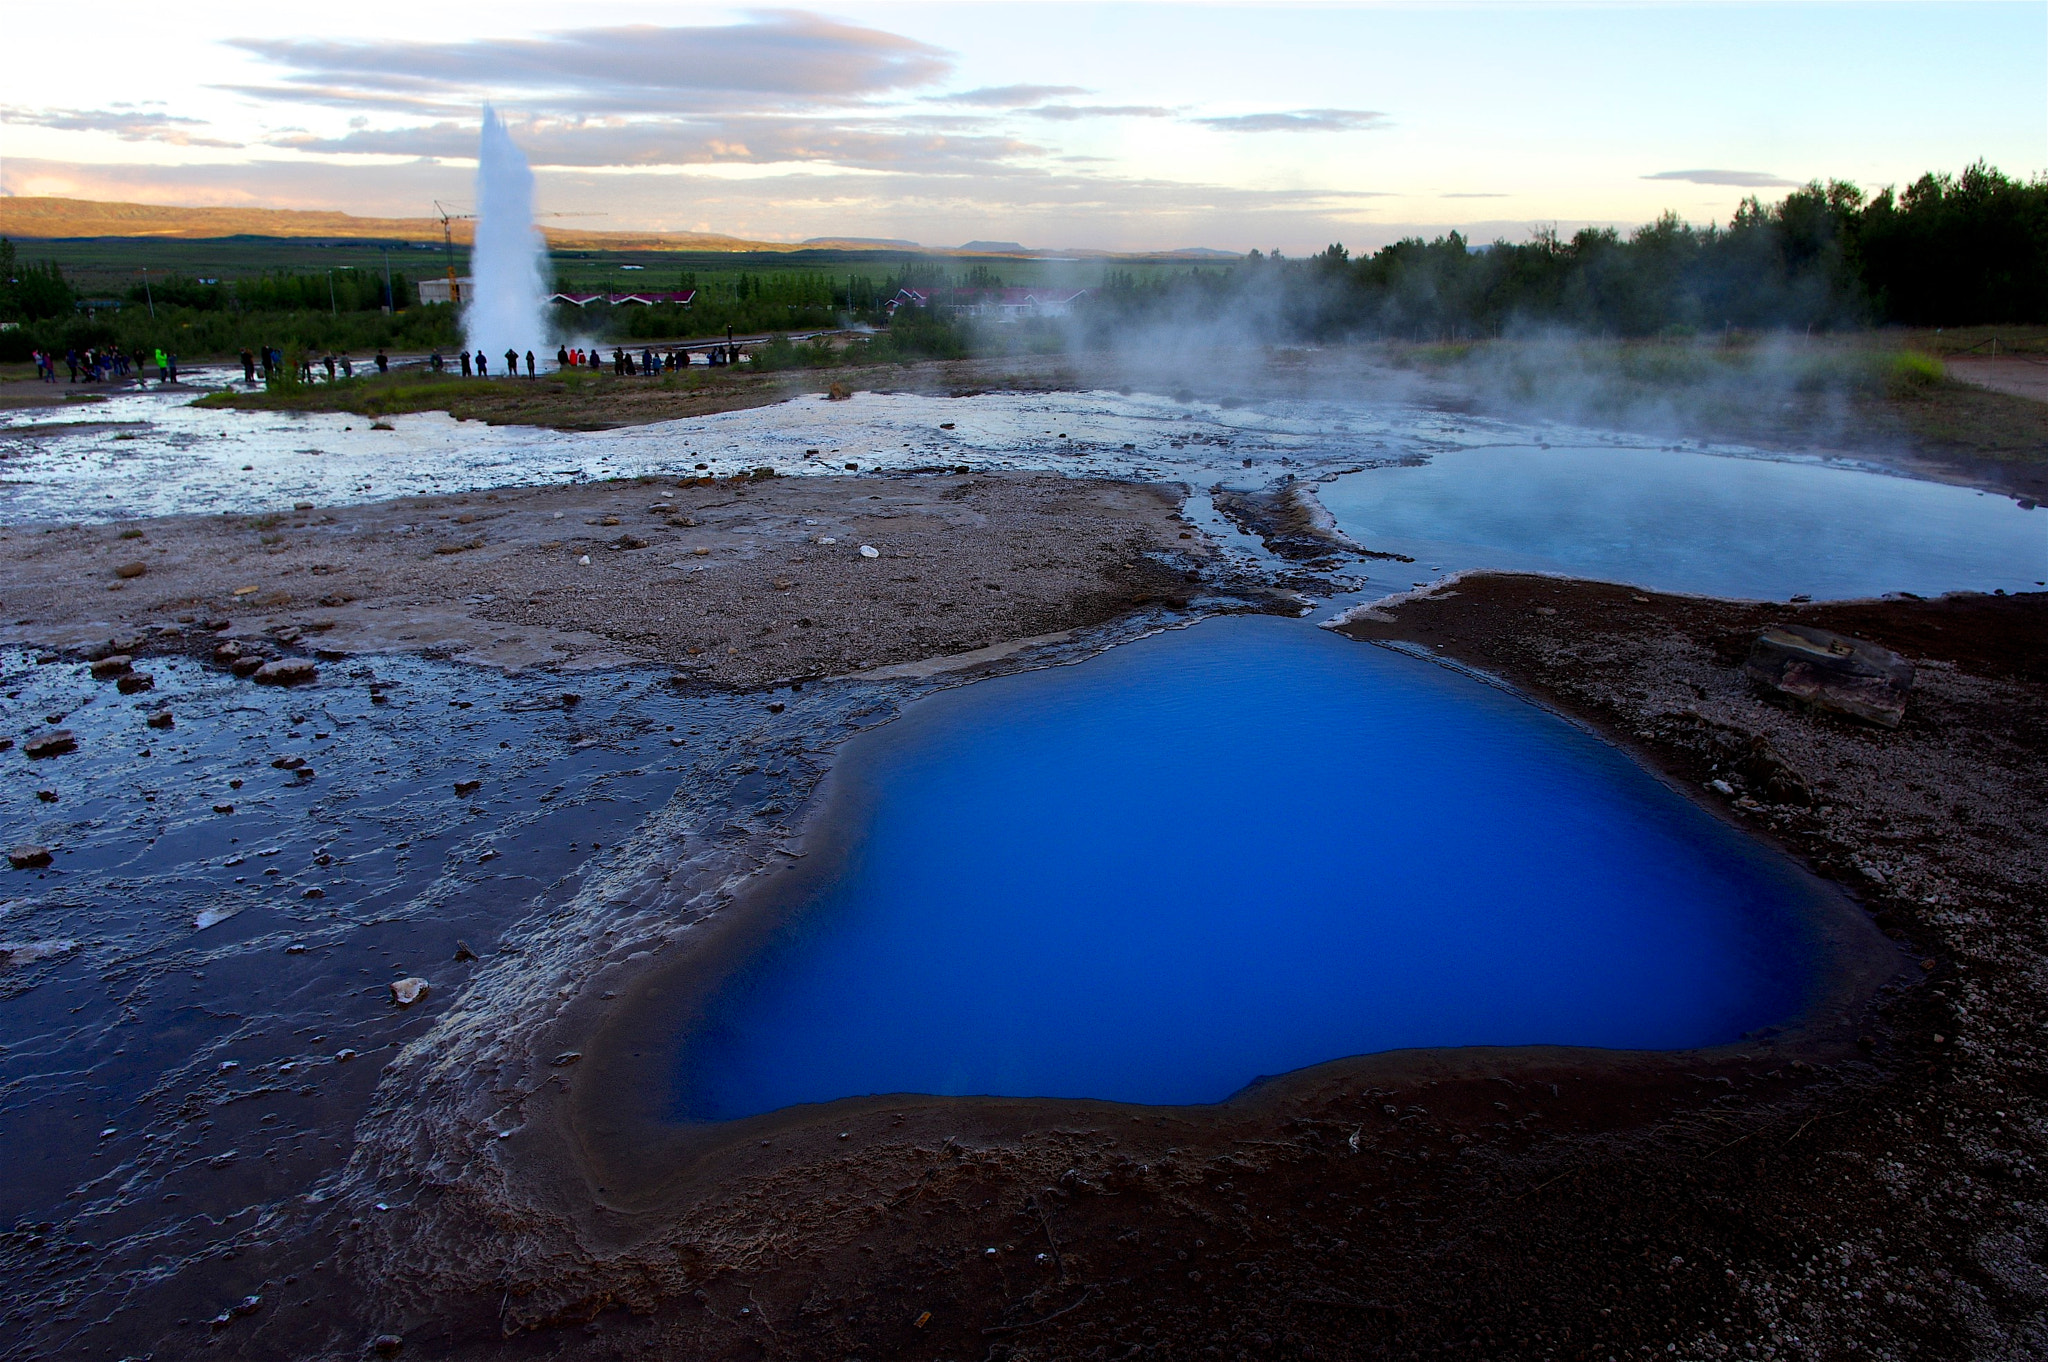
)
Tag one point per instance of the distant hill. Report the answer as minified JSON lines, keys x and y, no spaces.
{"x":873,"y":243}
{"x":54,"y":219}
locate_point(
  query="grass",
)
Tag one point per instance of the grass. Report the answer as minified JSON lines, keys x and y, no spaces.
{"x":567,"y":400}
{"x":1887,"y":393}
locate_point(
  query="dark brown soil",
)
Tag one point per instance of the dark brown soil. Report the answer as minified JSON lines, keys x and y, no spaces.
{"x":1865,"y":1187}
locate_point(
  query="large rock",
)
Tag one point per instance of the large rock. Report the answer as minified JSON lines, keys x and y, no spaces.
{"x":1832,"y":672}
{"x":54,"y":743}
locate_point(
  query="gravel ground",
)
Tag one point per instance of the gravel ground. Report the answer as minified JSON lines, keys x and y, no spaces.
{"x":739,"y":581}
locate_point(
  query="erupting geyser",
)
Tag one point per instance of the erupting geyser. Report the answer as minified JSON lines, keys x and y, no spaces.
{"x":504,"y":309}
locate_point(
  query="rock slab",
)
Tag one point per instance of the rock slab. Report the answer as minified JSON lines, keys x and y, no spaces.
{"x":1833,"y":672}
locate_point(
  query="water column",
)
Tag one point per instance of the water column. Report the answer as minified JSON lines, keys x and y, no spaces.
{"x":504,"y":309}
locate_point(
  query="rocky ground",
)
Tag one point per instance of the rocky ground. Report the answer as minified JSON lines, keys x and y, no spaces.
{"x":1867,"y":1186}
{"x":737,"y":582}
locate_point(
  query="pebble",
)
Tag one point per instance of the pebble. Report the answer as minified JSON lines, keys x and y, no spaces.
{"x":28,"y":857}
{"x":405,"y":992}
{"x":870,"y":551}
{"x":107,"y":668}
{"x":134,"y":683}
{"x":128,"y":571}
{"x":162,"y":719}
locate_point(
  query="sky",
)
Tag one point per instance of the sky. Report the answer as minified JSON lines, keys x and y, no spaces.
{"x":1125,"y":127}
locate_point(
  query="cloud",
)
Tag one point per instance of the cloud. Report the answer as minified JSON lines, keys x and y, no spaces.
{"x":1300,"y":120}
{"x":1471,"y":196}
{"x":1067,"y":113}
{"x":1010,"y":96}
{"x":130,"y":125}
{"x":771,"y":57}
{"x":742,"y":139}
{"x":1740,"y":179}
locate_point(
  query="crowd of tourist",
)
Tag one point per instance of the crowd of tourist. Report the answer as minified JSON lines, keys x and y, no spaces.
{"x":108,"y":364}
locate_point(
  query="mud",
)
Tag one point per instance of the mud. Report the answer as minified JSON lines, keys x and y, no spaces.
{"x":740,"y":582}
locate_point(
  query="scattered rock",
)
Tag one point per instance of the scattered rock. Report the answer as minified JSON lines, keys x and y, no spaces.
{"x":246,"y":666}
{"x":162,"y":719}
{"x":135,"y":683}
{"x":565,"y":1059}
{"x":223,"y":808}
{"x":55,"y":743}
{"x":386,"y":1345}
{"x":28,"y":857}
{"x":248,"y":1305}
{"x":286,"y":671}
{"x":111,"y":666}
{"x":1832,"y":672}
{"x":289,"y":763}
{"x":129,"y":571}
{"x":870,"y":551}
{"x":465,"y":788}
{"x":462,"y":950}
{"x":28,"y":952}
{"x":629,"y":541}
{"x":405,"y":992}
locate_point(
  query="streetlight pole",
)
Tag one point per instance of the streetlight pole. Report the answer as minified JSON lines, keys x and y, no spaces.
{"x":146,"y":295}
{"x":332,"y":306}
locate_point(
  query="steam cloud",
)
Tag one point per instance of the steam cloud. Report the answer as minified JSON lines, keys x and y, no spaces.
{"x":504,"y":311}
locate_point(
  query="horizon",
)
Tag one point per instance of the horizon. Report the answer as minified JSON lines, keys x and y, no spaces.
{"x":1244,"y":127}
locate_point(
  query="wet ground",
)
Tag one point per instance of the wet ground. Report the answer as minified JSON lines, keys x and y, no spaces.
{"x":298,"y":1203}
{"x":199,"y":1007}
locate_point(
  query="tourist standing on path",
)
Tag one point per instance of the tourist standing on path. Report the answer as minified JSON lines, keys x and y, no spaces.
{"x":174,"y":368}
{"x":465,"y":364}
{"x":383,"y":361}
{"x":163,"y":368}
{"x":329,"y":362}
{"x":483,"y":365}
{"x":348,"y":370}
{"x":561,"y":356}
{"x":529,"y":364}
{"x":248,"y":365}
{"x":511,"y":364}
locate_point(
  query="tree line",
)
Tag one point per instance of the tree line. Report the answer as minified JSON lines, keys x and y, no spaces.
{"x":1959,"y":250}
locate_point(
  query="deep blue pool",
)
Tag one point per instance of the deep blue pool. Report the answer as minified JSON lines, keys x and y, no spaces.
{"x":1231,"y":851}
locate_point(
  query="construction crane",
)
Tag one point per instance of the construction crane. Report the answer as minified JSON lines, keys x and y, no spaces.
{"x":448,"y":221}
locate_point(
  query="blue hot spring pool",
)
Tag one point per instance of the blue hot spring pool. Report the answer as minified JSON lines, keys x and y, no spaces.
{"x":1230,"y":851}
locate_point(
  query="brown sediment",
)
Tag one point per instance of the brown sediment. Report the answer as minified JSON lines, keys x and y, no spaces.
{"x":729,"y":581}
{"x":1867,"y":1178}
